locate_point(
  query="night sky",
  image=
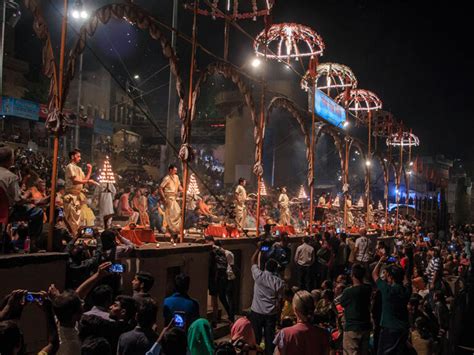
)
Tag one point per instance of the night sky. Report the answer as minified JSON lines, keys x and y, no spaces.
{"x":411,"y":53}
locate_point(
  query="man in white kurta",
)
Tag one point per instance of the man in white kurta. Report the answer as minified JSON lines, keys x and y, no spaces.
{"x":73,"y":196}
{"x":169,"y":190}
{"x":284,"y":204}
{"x":240,"y":197}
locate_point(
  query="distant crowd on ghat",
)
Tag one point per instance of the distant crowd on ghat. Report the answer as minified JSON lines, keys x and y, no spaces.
{"x":355,"y":293}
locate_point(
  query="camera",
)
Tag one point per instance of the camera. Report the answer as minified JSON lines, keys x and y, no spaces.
{"x":117,"y":268}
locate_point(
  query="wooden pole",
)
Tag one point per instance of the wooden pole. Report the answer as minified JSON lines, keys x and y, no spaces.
{"x":346,"y":180}
{"x":259,"y":177}
{"x":260,"y":133}
{"x":313,"y":141}
{"x":400,"y":169}
{"x":368,"y":163}
{"x":59,"y":105}
{"x":226,"y":39}
{"x":409,"y":172}
{"x":188,"y":120}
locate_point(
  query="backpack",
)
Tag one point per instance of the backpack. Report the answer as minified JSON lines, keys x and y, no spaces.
{"x":220,"y":259}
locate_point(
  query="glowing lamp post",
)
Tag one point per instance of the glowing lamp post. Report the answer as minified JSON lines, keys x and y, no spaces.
{"x":362,"y":103}
{"x":402,"y":139}
{"x":286,"y":42}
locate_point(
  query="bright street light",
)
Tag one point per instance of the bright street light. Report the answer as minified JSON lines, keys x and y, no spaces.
{"x":136,"y":77}
{"x":345,"y":124}
{"x":78,"y":11}
{"x":368,"y":163}
{"x":256,"y":62}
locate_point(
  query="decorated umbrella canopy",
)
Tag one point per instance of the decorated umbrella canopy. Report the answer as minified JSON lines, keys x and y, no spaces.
{"x":330,"y":76}
{"x":287,"y":41}
{"x":235,"y":9}
{"x":360,"y":102}
{"x":405,"y":139}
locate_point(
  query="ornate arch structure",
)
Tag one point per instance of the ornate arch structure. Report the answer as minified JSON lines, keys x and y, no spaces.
{"x":139,"y":17}
{"x":288,"y":105}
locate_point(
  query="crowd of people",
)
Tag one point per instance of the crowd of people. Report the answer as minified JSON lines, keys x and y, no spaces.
{"x":332,"y":293}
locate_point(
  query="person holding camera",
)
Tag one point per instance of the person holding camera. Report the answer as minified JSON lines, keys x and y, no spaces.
{"x":267,"y":294}
{"x":11,"y":308}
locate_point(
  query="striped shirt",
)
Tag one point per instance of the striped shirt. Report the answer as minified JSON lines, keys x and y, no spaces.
{"x":433,"y":267}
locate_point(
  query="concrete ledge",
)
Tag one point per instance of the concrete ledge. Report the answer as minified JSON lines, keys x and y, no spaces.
{"x":17,"y":260}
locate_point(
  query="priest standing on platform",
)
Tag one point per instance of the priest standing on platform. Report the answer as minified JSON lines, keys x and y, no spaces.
{"x":73,"y":196}
{"x":240,"y":197}
{"x":284,"y":203}
{"x":169,"y":190}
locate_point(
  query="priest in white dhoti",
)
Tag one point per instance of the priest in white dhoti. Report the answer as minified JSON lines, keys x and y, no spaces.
{"x":170,"y":188}
{"x":284,"y":205}
{"x":105,"y":194}
{"x":240,"y":197}
{"x":322,"y":201}
{"x":350,"y":216}
{"x":75,"y":179}
{"x":370,"y":214}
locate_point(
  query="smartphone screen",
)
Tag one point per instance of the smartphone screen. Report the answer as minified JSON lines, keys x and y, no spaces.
{"x":178,"y":320}
{"x":392,"y":259}
{"x":33,"y":297}
{"x":117,"y":268}
{"x":88,"y":230}
{"x":264,"y":248}
{"x":426,"y":239}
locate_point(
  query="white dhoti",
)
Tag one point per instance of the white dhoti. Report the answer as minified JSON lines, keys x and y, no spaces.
{"x":172,"y":215}
{"x":285,"y":216}
{"x":350,"y":219}
{"x":72,"y":212}
{"x":240,"y":215}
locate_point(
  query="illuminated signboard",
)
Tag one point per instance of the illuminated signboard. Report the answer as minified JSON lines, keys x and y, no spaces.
{"x":328,"y":110}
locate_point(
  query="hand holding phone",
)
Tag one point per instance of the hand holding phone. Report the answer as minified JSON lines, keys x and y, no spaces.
{"x":179,"y":320}
{"x":117,"y":268}
{"x":31,"y":297}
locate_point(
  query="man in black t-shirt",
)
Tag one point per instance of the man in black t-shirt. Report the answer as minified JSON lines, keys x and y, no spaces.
{"x":356,"y":303}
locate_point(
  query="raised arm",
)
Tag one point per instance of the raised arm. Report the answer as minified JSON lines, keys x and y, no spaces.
{"x":376,"y":272}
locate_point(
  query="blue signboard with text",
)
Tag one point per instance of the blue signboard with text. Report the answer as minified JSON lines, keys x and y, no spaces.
{"x":11,"y":106}
{"x":329,"y":110}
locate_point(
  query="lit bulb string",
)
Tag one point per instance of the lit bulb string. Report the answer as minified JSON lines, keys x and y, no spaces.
{"x":153,"y":123}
